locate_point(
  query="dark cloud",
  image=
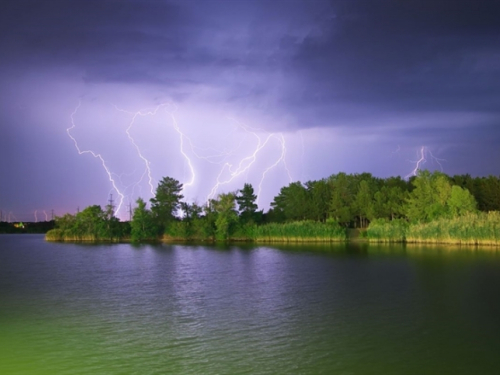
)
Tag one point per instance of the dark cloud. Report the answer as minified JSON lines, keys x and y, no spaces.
{"x":375,"y":73}
{"x":343,"y":60}
{"x":410,"y":55}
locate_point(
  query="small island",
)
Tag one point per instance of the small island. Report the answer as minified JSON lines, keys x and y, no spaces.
{"x":427,"y":208}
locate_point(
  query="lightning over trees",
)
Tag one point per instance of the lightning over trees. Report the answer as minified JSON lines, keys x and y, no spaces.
{"x":319,"y":210}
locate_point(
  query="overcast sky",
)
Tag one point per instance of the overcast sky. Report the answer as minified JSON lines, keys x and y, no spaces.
{"x":219,"y":93}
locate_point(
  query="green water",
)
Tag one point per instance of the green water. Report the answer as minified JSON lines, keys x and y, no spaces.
{"x":343,"y":309}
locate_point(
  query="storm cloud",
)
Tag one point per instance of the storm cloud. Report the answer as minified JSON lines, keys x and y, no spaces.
{"x":351,"y":86}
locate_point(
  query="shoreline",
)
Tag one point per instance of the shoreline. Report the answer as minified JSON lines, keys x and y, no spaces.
{"x":474,"y":243}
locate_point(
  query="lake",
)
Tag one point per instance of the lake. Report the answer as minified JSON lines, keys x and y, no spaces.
{"x":189,"y":309}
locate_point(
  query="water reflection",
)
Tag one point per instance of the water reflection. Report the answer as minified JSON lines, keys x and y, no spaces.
{"x":308,"y":309}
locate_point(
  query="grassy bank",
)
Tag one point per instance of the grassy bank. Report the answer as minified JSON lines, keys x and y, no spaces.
{"x":59,"y":235}
{"x":294,"y":232}
{"x":300,"y":231}
{"x":470,"y":229}
{"x":381,"y":230}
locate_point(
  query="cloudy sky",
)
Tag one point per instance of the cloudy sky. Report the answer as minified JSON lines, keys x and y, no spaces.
{"x":106,"y":97}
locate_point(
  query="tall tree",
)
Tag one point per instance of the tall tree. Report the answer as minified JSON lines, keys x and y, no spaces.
{"x":166,"y":201}
{"x":429,"y":198}
{"x":246,"y":203}
{"x":363,"y":203}
{"x":341,"y":203}
{"x":320,"y":193}
{"x":292,"y":201}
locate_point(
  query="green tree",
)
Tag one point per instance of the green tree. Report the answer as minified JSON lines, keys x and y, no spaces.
{"x":90,"y":223}
{"x":143,"y":226}
{"x":389,"y":202}
{"x":166,"y":202}
{"x":227,"y":216}
{"x":488,"y":193}
{"x":363,"y":203}
{"x":341,"y":203}
{"x":67,"y":222}
{"x":190,"y":225}
{"x":206,"y":225}
{"x":461,"y":201}
{"x":428,"y":199}
{"x":292,"y":201}
{"x":320,"y":193}
{"x":246,"y":203}
{"x":111,"y":224}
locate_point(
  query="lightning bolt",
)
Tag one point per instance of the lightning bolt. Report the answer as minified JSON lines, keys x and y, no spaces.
{"x":243,"y":165}
{"x":230,"y":159}
{"x":183,"y":152}
{"x":182,"y":138}
{"x":46,"y":216}
{"x":36,"y":218}
{"x":425,"y":154}
{"x":147,"y":163}
{"x":281,"y":139}
{"x":246,"y":163}
{"x":95,"y":155}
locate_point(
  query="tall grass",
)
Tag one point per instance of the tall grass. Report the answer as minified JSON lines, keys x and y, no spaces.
{"x":300,"y":231}
{"x":381,"y":230}
{"x":470,"y":229}
{"x":68,"y":236}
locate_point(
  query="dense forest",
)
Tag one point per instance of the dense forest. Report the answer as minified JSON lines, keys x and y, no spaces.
{"x":430,"y":207}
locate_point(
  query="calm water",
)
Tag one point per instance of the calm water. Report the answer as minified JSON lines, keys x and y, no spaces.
{"x":119,"y":309}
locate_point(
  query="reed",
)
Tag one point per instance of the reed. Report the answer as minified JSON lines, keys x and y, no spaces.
{"x":470,"y":229}
{"x":56,"y":235}
{"x":300,"y":231}
{"x":382,"y":230}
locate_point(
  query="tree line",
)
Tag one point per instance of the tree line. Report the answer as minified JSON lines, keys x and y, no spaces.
{"x":339,"y":201}
{"x":354,"y":200}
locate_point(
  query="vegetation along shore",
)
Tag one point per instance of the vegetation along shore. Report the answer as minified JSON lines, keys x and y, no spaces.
{"x":427,"y":208}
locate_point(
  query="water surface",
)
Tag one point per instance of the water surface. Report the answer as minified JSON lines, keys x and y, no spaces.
{"x":176,"y":309}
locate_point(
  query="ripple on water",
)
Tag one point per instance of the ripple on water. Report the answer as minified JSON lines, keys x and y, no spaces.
{"x":198,"y":310}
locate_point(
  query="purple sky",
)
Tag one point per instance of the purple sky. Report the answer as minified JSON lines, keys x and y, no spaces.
{"x":265,"y":92}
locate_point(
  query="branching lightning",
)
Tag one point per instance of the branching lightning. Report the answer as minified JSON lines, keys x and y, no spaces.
{"x":176,"y":127}
{"x":243,"y":166}
{"x":95,"y":155}
{"x":188,"y":160}
{"x":234,"y":163}
{"x":424,"y":155}
{"x":281,"y":159}
{"x":246,"y":162}
{"x":147,"y":163}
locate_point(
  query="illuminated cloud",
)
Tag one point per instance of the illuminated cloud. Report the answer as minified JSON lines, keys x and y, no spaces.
{"x":311,"y":88}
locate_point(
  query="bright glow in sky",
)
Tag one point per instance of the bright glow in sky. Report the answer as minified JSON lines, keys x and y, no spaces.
{"x":233,"y":92}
